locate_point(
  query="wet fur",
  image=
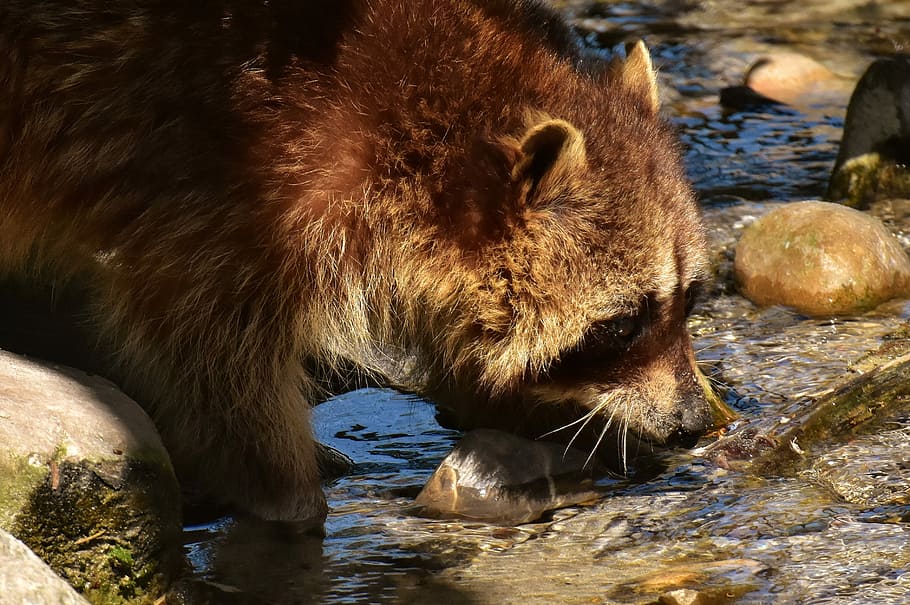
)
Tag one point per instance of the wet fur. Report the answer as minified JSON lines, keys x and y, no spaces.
{"x":263,"y":198}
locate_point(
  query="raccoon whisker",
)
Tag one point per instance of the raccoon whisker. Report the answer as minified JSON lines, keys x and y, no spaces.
{"x":624,"y":439}
{"x":709,"y":364}
{"x":585,"y":418}
{"x":700,"y":348}
{"x":600,"y":438}
{"x":715,"y":381}
{"x":640,"y":439}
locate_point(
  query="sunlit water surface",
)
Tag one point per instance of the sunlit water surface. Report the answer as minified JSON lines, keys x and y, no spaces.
{"x":791,"y":540}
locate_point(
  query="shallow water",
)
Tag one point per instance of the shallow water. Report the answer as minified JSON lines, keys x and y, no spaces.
{"x":817,"y":538}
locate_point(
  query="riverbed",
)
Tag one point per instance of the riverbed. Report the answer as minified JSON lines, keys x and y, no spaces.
{"x":728,"y":535}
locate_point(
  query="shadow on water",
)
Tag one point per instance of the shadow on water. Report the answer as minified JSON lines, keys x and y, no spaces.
{"x":250,"y":562}
{"x":396,"y":444}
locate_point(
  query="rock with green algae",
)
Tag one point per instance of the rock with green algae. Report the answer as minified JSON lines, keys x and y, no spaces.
{"x":874,"y":395}
{"x":872,"y":162}
{"x":24,"y":578}
{"x":862,"y":180}
{"x":821,"y":259}
{"x":86,"y":483}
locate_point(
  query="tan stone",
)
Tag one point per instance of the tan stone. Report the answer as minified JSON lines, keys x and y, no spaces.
{"x":821,"y":259}
{"x":793,"y":79}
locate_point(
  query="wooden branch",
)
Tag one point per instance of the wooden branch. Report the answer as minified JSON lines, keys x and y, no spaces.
{"x":856,"y":403}
{"x":771,"y":447}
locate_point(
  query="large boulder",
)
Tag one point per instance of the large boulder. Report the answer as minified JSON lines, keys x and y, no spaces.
{"x":821,"y":259}
{"x":86,"y":483}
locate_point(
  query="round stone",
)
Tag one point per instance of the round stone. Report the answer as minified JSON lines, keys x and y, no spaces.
{"x":821,"y":259}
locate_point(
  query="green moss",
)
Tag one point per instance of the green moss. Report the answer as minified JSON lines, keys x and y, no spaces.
{"x":866,"y":178}
{"x":106,"y":539}
{"x":894,"y":345}
{"x":849,"y":300}
{"x":121,"y":557}
{"x":18,"y":479}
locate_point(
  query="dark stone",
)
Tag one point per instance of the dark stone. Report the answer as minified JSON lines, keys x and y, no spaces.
{"x":875,"y":150}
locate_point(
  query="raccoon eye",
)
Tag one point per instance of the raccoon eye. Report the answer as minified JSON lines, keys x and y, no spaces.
{"x":603,"y":340}
{"x":616,"y":334}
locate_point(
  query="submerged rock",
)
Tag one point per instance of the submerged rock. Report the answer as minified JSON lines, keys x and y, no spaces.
{"x":26,"y":579}
{"x":498,"y":477}
{"x":820,"y":259}
{"x":872,"y":162}
{"x":332,"y":463}
{"x":698,"y":582}
{"x":86,"y":483}
{"x":870,"y":470}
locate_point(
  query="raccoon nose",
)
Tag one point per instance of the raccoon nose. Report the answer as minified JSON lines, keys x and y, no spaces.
{"x":684,"y":438}
{"x":694,"y":420}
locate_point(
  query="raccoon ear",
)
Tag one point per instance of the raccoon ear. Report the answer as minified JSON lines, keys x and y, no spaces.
{"x":637,"y":74}
{"x":551,"y":152}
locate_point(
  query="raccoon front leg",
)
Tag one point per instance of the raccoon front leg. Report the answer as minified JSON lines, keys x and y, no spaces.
{"x":226,"y":387}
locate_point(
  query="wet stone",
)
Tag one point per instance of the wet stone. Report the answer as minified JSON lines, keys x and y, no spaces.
{"x":895,"y":214}
{"x":699,"y":583}
{"x":683,"y":596}
{"x":501,"y":478}
{"x":736,"y":448}
{"x":820,"y":259}
{"x":861,"y":180}
{"x":792,"y":78}
{"x":870,"y":470}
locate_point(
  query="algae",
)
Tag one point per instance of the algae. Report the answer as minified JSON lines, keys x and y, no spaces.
{"x":112,"y":544}
{"x":867,"y":178}
{"x":19,"y":477}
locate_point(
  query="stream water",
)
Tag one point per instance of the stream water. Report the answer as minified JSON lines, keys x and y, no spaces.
{"x":735,"y":537}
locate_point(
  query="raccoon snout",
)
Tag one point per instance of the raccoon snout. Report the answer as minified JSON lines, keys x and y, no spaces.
{"x":684,"y":438}
{"x":694,"y":420}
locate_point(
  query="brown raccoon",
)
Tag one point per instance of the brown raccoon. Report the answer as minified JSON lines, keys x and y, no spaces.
{"x":270,"y":198}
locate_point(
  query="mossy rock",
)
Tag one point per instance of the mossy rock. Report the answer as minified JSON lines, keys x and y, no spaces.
{"x":24,"y":578}
{"x":86,"y":483}
{"x":867,"y":178}
{"x":875,"y":150}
